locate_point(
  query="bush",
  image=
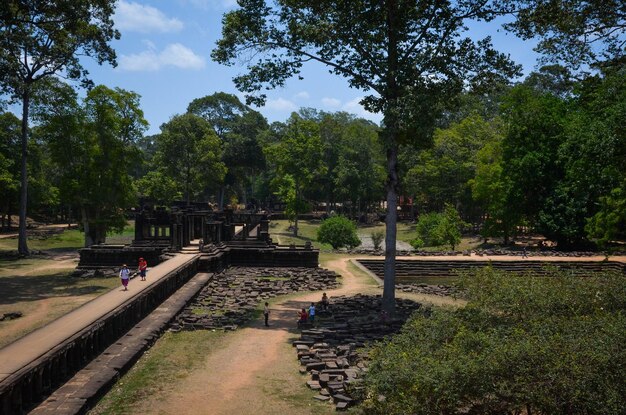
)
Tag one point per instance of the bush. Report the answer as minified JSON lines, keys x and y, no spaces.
{"x":523,"y":344}
{"x":377,"y":239}
{"x":427,"y":234}
{"x":435,"y":229}
{"x":338,"y":231}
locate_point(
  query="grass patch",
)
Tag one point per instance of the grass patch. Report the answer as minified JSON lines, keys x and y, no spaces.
{"x":307,"y":231}
{"x":68,"y":239}
{"x":362,"y":274}
{"x":173,"y":357}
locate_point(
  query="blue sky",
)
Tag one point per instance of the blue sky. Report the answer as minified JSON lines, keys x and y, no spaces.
{"x":164,"y":55}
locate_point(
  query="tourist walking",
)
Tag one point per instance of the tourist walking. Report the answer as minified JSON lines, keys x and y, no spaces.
{"x":312,"y":313}
{"x":266,"y":314}
{"x":143,"y":266}
{"x":125,"y":276}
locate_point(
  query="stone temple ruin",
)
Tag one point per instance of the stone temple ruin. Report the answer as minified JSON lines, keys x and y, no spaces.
{"x":223,"y":238}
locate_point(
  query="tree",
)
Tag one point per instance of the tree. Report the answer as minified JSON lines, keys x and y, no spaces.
{"x":409,"y":56}
{"x":576,"y":32}
{"x":442,"y":173}
{"x":190,"y":153}
{"x":297,"y":157}
{"x":434,"y":229}
{"x":522,"y":344}
{"x":159,"y":187}
{"x":609,"y":224}
{"x":238,"y":127}
{"x":93,"y":146}
{"x":39,"y":39}
{"x":338,"y":231}
{"x":534,"y":127}
{"x":9,"y":161}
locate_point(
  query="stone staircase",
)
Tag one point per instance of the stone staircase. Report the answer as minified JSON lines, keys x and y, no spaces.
{"x":450,"y":268}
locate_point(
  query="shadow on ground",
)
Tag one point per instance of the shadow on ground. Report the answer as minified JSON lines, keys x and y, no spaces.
{"x":31,"y":288}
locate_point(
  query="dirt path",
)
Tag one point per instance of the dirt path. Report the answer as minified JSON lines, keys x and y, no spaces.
{"x":256,"y":366}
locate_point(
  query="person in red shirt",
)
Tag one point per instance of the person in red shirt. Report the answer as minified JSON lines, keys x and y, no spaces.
{"x":143,"y":265}
{"x":303,"y":317}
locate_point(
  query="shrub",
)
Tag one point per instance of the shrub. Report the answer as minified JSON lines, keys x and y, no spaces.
{"x":435,"y":229}
{"x":338,"y":231}
{"x":377,"y":239}
{"x":427,"y":234}
{"x":523,"y":344}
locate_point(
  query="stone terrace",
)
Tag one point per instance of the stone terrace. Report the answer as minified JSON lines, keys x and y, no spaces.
{"x":231,"y":297}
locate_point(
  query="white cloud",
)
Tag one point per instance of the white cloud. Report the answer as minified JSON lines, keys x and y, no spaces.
{"x":302,"y":95}
{"x":331,"y":102}
{"x":140,"y":18}
{"x":174,"y":54}
{"x":212,"y":4}
{"x":280,"y":104}
{"x":353,"y":107}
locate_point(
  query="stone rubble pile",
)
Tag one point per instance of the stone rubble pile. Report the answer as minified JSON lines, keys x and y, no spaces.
{"x":334,"y":352}
{"x":441,"y":290}
{"x":232,"y":296}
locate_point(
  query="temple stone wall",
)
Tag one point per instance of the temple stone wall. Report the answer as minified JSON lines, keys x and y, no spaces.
{"x":28,"y":386}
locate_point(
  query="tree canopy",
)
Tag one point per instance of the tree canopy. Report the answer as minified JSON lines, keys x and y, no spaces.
{"x":410,"y":57}
{"x":39,"y":39}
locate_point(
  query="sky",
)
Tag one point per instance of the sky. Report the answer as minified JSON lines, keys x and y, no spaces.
{"x":164,"y":56}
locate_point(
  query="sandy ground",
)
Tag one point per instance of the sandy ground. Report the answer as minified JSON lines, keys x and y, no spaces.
{"x":256,"y":371}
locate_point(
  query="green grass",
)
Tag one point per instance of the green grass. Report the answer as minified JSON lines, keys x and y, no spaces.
{"x":307,"y":231}
{"x":67,"y":240}
{"x":172,"y":358}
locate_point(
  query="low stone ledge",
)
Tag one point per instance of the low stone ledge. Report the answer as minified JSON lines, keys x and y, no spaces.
{"x":26,"y":387}
{"x":93,"y":381}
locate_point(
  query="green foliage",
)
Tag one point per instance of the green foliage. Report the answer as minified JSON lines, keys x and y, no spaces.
{"x":377,"y":239}
{"x":338,"y":231}
{"x":189,"y":153}
{"x":39,"y":40}
{"x":295,"y":154}
{"x":92,"y":145}
{"x":159,"y":187}
{"x":410,"y":59}
{"x":238,"y":127}
{"x":543,"y":345}
{"x":434,"y":229}
{"x":441,"y":174}
{"x":576,"y":32}
{"x":427,"y":230}
{"x":609,"y":224}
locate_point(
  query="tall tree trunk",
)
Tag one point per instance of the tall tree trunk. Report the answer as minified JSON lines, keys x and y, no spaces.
{"x":220,"y":197}
{"x":85,"y":219}
{"x":22,"y":246}
{"x":297,"y":206}
{"x":391,"y":131}
{"x":391,"y":219}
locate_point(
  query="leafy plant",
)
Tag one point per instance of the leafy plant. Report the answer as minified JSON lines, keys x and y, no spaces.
{"x":377,"y":239}
{"x":338,"y":231}
{"x":523,"y":344}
